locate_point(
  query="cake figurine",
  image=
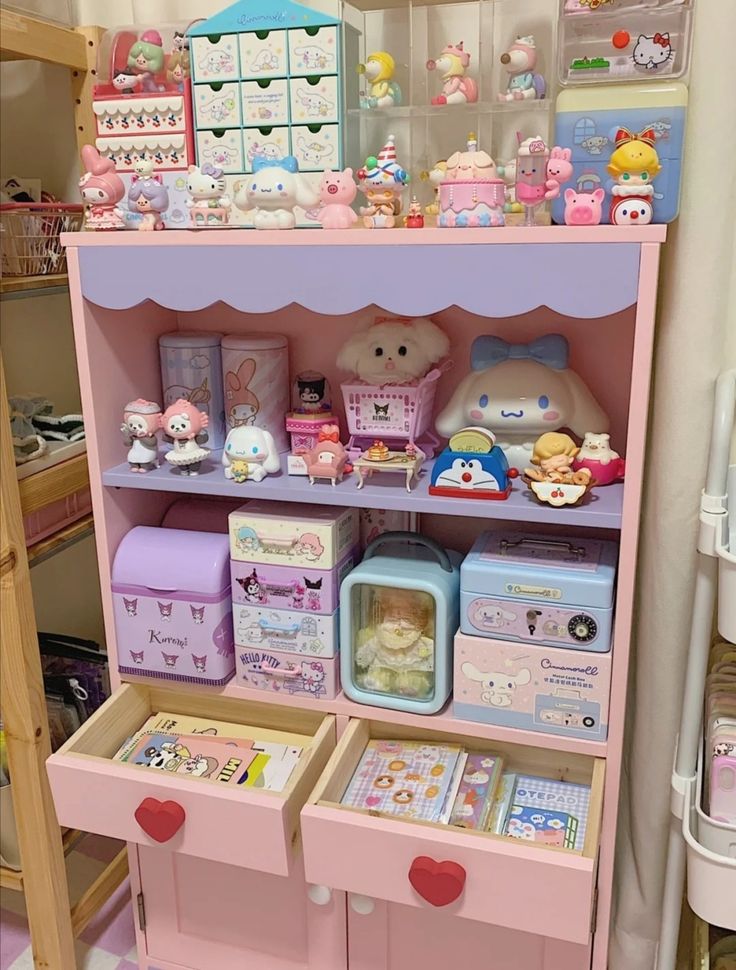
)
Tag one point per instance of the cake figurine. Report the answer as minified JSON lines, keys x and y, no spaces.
{"x":471,"y":193}
{"x":383,"y":91}
{"x":382,"y":181}
{"x":457,"y":86}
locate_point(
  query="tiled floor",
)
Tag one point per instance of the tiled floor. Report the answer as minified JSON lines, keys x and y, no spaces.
{"x":108,"y":943}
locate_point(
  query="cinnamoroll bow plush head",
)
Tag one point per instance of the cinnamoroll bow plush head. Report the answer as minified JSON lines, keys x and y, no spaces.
{"x":273,"y":190}
{"x":394,"y":351}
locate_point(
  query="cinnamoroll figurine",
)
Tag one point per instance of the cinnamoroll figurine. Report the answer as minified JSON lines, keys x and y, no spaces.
{"x":186,"y":426}
{"x":250,"y":454}
{"x":141,"y":422}
{"x":273,"y":190}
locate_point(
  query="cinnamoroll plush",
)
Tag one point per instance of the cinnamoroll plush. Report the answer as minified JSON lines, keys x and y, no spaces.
{"x":394,"y":351}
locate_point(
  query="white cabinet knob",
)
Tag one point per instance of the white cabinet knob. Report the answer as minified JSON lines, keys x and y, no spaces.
{"x":362,"y":905}
{"x":320,"y":895}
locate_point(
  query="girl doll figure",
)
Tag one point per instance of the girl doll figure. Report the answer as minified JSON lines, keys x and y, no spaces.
{"x":634,"y":165}
{"x":149,"y":197}
{"x":146,"y":58}
{"x":178,"y":69}
{"x":382,"y":181}
{"x":395,"y":655}
{"x":185,"y":425}
{"x":141,"y":422}
{"x":101,"y":188}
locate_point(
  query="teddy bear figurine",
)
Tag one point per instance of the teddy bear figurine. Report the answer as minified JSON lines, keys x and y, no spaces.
{"x":394,"y":351}
{"x":394,"y":653}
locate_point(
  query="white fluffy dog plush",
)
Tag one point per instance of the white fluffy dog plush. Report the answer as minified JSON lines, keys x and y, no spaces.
{"x":394,"y":351}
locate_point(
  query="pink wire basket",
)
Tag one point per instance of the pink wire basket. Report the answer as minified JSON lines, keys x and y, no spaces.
{"x":29,"y":236}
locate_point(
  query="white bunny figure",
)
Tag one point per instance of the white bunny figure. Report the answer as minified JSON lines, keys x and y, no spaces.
{"x":250,"y":453}
{"x":273,"y":190}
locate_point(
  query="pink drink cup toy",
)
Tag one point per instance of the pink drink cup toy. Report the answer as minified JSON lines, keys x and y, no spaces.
{"x":539,"y":174}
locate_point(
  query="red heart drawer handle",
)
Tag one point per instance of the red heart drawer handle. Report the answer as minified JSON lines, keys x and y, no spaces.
{"x":439,"y":883}
{"x":160,"y":820}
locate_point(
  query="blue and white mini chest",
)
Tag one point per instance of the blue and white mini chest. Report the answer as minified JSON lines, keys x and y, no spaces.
{"x":539,"y":589}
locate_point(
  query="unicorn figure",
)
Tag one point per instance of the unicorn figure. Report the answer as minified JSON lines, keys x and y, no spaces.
{"x":457,"y":87}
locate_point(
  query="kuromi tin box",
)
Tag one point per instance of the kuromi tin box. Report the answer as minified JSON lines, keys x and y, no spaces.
{"x":539,"y":589}
{"x":535,"y":688}
{"x":290,"y":587}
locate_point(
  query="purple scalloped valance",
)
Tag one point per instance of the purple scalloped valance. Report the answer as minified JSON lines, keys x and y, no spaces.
{"x":575,"y":279}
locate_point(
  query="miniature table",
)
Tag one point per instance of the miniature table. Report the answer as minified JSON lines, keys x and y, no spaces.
{"x":397,"y":461}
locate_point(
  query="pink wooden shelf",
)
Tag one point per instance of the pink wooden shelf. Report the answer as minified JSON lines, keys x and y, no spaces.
{"x":601,"y":510}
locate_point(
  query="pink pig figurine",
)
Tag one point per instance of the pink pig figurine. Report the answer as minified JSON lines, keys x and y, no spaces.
{"x":336,"y":191}
{"x":583,"y":208}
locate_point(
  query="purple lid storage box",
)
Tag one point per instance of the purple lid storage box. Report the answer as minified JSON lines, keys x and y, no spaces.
{"x":172,"y":606}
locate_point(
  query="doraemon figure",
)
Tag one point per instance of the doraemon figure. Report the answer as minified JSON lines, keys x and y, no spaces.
{"x":472,"y":466}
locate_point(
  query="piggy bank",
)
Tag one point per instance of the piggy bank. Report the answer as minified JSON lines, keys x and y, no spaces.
{"x":583,"y":208}
{"x":336,"y":191}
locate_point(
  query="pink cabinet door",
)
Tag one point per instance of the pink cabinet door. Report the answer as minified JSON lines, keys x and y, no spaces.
{"x":395,"y":937}
{"x":203,"y":915}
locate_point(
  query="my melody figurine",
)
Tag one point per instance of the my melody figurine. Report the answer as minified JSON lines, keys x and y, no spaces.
{"x":519,"y":392}
{"x":634,"y":165}
{"x":102,"y":189}
{"x":273,"y":190}
{"x":382,"y":181}
{"x":250,"y":454}
{"x":141,"y":423}
{"x":337,"y":192}
{"x":457,"y":86}
{"x":519,"y":61}
{"x":553,"y":480}
{"x":328,"y":458}
{"x":471,"y":193}
{"x":186,"y":426}
{"x":596,"y":455}
{"x":149,"y":197}
{"x":207,"y":198}
{"x":383,"y":91}
{"x":539,"y":174}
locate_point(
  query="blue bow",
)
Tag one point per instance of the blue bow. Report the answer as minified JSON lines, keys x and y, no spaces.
{"x":288,"y":162}
{"x":487,"y":351}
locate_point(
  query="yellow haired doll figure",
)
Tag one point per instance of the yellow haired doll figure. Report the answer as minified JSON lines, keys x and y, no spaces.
{"x":634,"y":165}
{"x":383,"y":91}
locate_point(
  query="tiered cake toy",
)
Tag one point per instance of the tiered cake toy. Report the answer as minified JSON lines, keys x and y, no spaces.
{"x":471,"y":193}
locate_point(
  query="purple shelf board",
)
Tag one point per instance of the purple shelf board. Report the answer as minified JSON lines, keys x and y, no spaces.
{"x":601,"y":510}
{"x":585,"y":280}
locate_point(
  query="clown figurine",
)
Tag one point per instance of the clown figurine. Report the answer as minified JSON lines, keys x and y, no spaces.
{"x":382,"y":181}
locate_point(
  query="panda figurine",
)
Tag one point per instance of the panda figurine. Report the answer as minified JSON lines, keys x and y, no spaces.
{"x":472,"y":466}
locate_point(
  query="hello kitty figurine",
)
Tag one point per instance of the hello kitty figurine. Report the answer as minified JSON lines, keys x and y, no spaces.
{"x":250,"y":454}
{"x":519,"y":392}
{"x":652,"y":54}
{"x":186,"y":426}
{"x":273,"y":190}
{"x":207,"y":198}
{"x":141,"y":422}
{"x":101,"y":189}
{"x":336,"y":193}
{"x":394,"y":351}
{"x":605,"y":464}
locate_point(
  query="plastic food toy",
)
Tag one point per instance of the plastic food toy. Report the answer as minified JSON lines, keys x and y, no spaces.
{"x":597,"y":456}
{"x":149,"y":197}
{"x":273,"y":190}
{"x":471,"y":193}
{"x":472,"y":466}
{"x":519,"y":61}
{"x":394,"y":351}
{"x":383,"y":91}
{"x":557,"y":494}
{"x":380,"y":458}
{"x":207,"y":198}
{"x":382,"y":181}
{"x":435,"y":179}
{"x":337,"y":191}
{"x":146,"y":58}
{"x":583,"y":208}
{"x":414,"y":219}
{"x":141,"y":423}
{"x":249,"y":454}
{"x":186,"y":426}
{"x":396,"y":639}
{"x":634,"y":165}
{"x":553,"y":480}
{"x":457,"y":87}
{"x":101,"y":189}
{"x":520,"y":391}
{"x":539,"y":173}
{"x":327,"y":459}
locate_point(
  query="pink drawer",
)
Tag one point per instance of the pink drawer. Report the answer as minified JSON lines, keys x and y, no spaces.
{"x":508,"y":883}
{"x":248,"y":828}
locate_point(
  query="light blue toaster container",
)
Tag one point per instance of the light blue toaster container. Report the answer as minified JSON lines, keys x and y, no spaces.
{"x":539,"y":589}
{"x":393,"y":562}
